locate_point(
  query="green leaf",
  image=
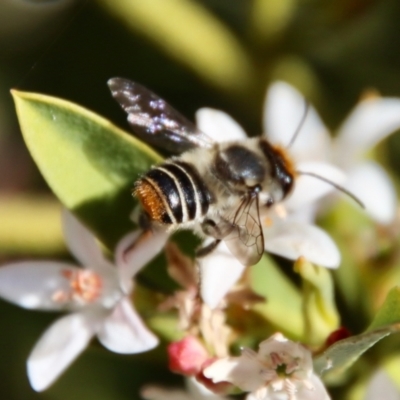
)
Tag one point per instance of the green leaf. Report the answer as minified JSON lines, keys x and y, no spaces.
{"x":189,"y":33}
{"x":88,"y":162}
{"x":283,"y":300}
{"x":389,"y":313}
{"x":320,"y":314}
{"x":345,"y":222}
{"x":270,"y":18}
{"x":342,"y":354}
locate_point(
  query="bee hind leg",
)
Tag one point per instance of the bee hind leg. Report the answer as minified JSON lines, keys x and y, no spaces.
{"x":144,"y":221}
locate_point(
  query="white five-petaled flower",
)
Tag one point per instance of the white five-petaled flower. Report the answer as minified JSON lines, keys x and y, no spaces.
{"x":281,"y":370}
{"x":98,"y":297}
{"x":372,"y":120}
{"x":287,"y":231}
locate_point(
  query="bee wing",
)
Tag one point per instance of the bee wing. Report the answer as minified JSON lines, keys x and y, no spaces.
{"x":243,"y":233}
{"x":154,"y":120}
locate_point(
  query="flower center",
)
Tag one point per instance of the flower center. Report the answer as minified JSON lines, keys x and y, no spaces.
{"x":84,"y":287}
{"x":284,"y":366}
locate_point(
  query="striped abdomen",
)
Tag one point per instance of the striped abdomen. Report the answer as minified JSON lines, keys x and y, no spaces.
{"x":173,"y":193}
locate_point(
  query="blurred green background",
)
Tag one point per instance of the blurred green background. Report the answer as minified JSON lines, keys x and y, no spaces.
{"x":194,"y":53}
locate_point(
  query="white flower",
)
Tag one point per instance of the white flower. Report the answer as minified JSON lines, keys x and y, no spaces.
{"x":381,"y":386}
{"x":286,"y":230}
{"x":195,"y":391}
{"x":97,"y":295}
{"x":281,"y":370}
{"x":371,"y":121}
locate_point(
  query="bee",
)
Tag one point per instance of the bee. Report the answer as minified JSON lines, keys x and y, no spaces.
{"x":215,"y":189}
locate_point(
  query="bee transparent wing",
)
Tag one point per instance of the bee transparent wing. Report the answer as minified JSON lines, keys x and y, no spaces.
{"x":242,"y":232}
{"x":154,"y":121}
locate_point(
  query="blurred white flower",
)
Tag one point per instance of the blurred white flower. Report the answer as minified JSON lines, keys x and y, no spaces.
{"x":381,"y":386}
{"x":371,"y":121}
{"x":195,"y":391}
{"x":281,"y":370}
{"x":97,"y":295}
{"x":286,"y":230}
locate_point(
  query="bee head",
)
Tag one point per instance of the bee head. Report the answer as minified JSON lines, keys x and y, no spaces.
{"x":281,"y":169}
{"x":255,"y":167}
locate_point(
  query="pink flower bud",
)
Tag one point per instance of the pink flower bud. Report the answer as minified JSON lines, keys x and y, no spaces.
{"x":187,"y":356}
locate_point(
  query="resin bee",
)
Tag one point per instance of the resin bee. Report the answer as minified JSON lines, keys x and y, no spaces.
{"x":216,"y":189}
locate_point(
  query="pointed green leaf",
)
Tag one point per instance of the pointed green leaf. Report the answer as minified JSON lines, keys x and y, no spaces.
{"x":88,"y":162}
{"x":389,"y":313}
{"x":344,"y":353}
{"x":270,"y":18}
{"x":341,"y":355}
{"x":189,"y":33}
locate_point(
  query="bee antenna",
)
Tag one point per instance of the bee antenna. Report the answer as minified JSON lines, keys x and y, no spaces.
{"x":335,"y":185}
{"x":300,"y":126}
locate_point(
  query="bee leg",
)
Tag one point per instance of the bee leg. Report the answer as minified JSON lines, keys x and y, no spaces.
{"x":210,"y":228}
{"x":203,"y":251}
{"x":144,"y":221}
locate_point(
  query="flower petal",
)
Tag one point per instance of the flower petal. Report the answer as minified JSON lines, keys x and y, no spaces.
{"x":381,"y":387}
{"x":277,"y":343}
{"x":199,"y":391}
{"x":58,"y":347}
{"x":370,"y":122}
{"x":243,"y":372}
{"x":136,"y":249}
{"x":370,"y":183}
{"x":82,"y":244}
{"x":303,"y":393}
{"x":32,"y":284}
{"x":308,"y":189}
{"x":220,"y":126}
{"x":219,"y":271}
{"x":124,"y":332}
{"x":292,"y":239}
{"x":317,"y":392}
{"x":305,"y":214}
{"x":283,"y":112}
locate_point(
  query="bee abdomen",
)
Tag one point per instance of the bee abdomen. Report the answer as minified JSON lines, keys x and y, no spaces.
{"x":173,"y":193}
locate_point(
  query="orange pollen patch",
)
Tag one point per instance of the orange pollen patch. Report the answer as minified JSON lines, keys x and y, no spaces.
{"x":268,"y":222}
{"x":150,"y":200}
{"x":286,"y":159}
{"x":84,"y":287}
